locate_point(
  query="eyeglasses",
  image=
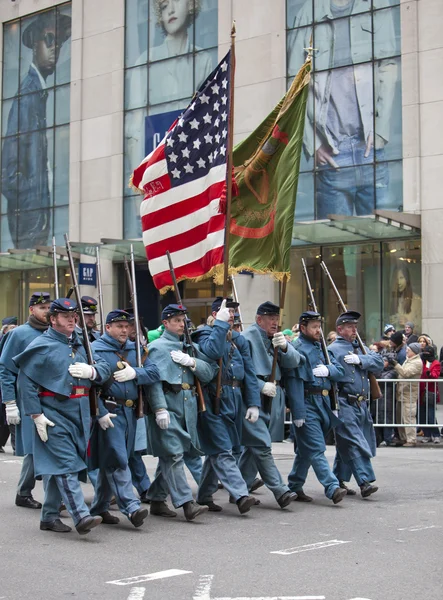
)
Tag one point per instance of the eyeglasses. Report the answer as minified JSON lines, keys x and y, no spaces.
{"x":49,"y":39}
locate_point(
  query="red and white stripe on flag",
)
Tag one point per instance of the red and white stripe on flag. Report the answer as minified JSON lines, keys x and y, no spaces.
{"x":184,"y":182}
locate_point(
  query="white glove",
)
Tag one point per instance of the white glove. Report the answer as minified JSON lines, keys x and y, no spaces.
{"x":182,"y":358}
{"x":105,"y":422}
{"x":279,"y":341}
{"x":12,"y":413}
{"x":42,"y":423}
{"x":224,"y":313}
{"x":82,"y":371}
{"x":252,"y":414}
{"x":269,"y":389}
{"x":125,"y":374}
{"x":162,"y":418}
{"x":335,"y":412}
{"x":352,"y":359}
{"x":321,"y":371}
{"x":299,"y":422}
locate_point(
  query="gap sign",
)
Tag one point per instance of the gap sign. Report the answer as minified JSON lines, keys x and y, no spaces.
{"x":87,"y":274}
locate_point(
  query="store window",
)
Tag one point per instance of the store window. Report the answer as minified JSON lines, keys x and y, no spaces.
{"x":352,"y":146}
{"x":170,"y":49}
{"x":35,"y":129}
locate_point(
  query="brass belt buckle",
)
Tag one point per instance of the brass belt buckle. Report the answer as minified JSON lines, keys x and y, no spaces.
{"x":120,"y":365}
{"x":186,"y":386}
{"x":360,"y":399}
{"x":325,"y":393}
{"x":129,"y":403}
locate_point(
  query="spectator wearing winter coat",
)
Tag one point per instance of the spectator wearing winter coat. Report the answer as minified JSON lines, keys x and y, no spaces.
{"x":429,"y":395}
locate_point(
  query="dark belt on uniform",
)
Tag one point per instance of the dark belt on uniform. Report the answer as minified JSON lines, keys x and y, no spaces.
{"x":76,"y":392}
{"x":265,"y":379}
{"x":318,"y":391}
{"x":232,"y":382}
{"x":111,"y":400}
{"x":352,"y":399}
{"x":177,"y":387}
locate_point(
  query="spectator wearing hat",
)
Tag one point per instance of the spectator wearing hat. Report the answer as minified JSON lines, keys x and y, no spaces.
{"x":388,"y":331}
{"x":411,"y":337}
{"x":115,"y":438}
{"x":407,"y":394}
{"x":172,"y":422}
{"x":90,"y":307}
{"x":12,"y":344}
{"x":29,"y":194}
{"x":55,"y":379}
{"x":355,"y":436}
{"x":8,"y":323}
{"x":398,"y":345}
{"x":429,"y":396}
{"x":221,"y":434}
{"x":312,"y":416}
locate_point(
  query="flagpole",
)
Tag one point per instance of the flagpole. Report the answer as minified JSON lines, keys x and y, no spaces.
{"x":229,"y":165}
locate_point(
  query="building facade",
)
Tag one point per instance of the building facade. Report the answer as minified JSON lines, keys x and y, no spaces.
{"x":90,"y":86}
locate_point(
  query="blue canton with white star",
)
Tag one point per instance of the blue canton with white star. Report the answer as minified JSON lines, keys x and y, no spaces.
{"x":199,"y":141}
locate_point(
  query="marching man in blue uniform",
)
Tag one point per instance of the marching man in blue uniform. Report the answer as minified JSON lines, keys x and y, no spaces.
{"x":89,"y":306}
{"x":263,"y":336}
{"x":54,"y":382}
{"x":15,"y":342}
{"x":172,"y":423}
{"x":313,"y":418}
{"x":117,"y":420}
{"x":355,"y":436}
{"x":220,"y":435}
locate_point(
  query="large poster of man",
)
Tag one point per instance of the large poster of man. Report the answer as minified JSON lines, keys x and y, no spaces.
{"x":32,"y":50}
{"x":353,"y":124}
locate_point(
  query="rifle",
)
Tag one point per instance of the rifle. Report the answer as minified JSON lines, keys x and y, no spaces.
{"x":100,"y":291}
{"x":93,"y":406}
{"x":200,"y":398}
{"x":235,"y":295}
{"x":333,"y":391}
{"x":54,"y":262}
{"x":133,"y":293}
{"x":373,"y":383}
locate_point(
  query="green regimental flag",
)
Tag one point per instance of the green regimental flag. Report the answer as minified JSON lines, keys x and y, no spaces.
{"x":266,"y":167}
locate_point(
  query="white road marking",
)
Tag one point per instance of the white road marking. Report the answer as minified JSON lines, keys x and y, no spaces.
{"x":149,"y":577}
{"x":137,"y":593}
{"x":14,"y":462}
{"x":419,"y":527}
{"x":307,"y":547}
{"x":203,"y":592}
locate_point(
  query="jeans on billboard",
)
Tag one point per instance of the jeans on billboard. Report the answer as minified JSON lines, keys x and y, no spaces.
{"x":351,"y":189}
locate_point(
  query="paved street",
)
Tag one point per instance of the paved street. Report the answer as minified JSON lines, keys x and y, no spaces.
{"x":387,"y":547}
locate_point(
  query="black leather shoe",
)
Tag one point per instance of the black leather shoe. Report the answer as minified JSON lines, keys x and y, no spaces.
{"x":302,"y":497}
{"x":108,"y":519}
{"x":2,"y":450}
{"x":85,"y":525}
{"x":161,"y":509}
{"x":244,"y":504}
{"x":212,"y":506}
{"x":256,"y":484}
{"x":27,"y":502}
{"x":232,"y":501}
{"x":138,"y":517}
{"x":192,"y":510}
{"x":286,"y":499}
{"x":144,"y":497}
{"x":349,"y":491}
{"x":367,"y":489}
{"x":55,"y":525}
{"x":338,"y":495}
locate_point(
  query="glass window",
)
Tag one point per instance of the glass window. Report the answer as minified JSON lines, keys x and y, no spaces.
{"x":298,"y":13}
{"x":136,"y":87}
{"x":344,"y":42}
{"x":297,"y":42}
{"x":402,"y":299}
{"x":11,"y":48}
{"x":134,"y":143}
{"x":61,"y":224}
{"x":387,"y":33}
{"x":36,"y":47}
{"x":132,"y":226}
{"x":389,"y":185}
{"x":325,"y":11}
{"x":171,"y":79}
{"x":304,"y":208}
{"x":206,"y":25}
{"x":388,"y":109}
{"x":136,"y":34}
{"x":345,"y":191}
{"x":205,"y":63}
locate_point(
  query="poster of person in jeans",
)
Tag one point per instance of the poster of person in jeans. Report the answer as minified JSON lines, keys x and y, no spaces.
{"x":348,"y":124}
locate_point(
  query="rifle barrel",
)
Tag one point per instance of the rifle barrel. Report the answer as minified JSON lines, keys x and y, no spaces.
{"x":54,"y":262}
{"x":100,"y":291}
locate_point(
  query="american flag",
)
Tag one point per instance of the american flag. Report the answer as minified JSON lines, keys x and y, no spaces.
{"x":183,"y":181}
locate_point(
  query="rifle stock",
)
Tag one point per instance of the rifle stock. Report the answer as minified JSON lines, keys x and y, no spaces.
{"x":373,"y":383}
{"x":333,"y":391}
{"x":200,"y":398}
{"x":93,"y":405}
